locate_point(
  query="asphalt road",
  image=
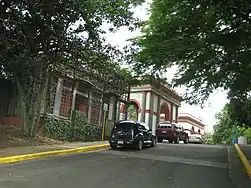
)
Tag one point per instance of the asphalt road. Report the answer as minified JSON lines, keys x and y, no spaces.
{"x":165,"y":166}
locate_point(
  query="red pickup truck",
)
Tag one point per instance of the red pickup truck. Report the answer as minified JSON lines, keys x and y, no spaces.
{"x":171,"y":132}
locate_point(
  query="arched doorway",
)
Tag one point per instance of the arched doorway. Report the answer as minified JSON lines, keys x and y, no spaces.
{"x":192,"y":129}
{"x":164,"y":112}
{"x":132,"y":110}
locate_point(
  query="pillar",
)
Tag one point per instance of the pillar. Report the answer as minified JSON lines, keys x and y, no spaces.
{"x":58,"y":97}
{"x":158,"y":111}
{"x":118,"y":111}
{"x":171,"y":115}
{"x":174,"y":113}
{"x":111,"y":113}
{"x":151,"y":107}
{"x":74,"y":95}
{"x":143,"y":107}
{"x":177,"y":112}
{"x":89,"y":106}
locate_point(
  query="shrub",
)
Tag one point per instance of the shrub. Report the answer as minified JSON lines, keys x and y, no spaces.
{"x":76,"y":129}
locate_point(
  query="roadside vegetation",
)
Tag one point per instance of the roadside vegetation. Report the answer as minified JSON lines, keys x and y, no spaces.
{"x":228,"y":127}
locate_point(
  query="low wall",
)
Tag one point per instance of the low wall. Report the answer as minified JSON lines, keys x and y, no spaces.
{"x":11,"y":120}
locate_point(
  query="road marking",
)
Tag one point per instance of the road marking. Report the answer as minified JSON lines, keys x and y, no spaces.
{"x":171,"y":159}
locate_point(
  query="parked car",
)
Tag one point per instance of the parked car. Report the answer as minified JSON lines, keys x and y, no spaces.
{"x":132,"y":133}
{"x":196,"y":138}
{"x":171,"y":132}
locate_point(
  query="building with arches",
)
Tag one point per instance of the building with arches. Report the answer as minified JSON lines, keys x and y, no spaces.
{"x":154,"y":102}
{"x":192,"y":124}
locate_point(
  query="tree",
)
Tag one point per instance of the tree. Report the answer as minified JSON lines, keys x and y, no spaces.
{"x":132,"y":112}
{"x":40,"y":35}
{"x":209,"y":41}
{"x":225,"y":129}
{"x":228,"y":127}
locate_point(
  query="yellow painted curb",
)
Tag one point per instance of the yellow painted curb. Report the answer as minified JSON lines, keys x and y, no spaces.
{"x":243,"y":159}
{"x":17,"y":158}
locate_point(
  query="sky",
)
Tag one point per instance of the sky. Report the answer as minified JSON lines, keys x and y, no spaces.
{"x":215,"y":102}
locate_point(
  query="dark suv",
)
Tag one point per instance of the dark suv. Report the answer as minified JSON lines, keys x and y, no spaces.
{"x":132,"y":133}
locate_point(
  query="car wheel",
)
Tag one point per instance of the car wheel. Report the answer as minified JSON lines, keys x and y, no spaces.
{"x":139,"y":145}
{"x":170,"y":141}
{"x":177,"y":140}
{"x":153,"y":142}
{"x":160,"y":139}
{"x":113,"y":146}
{"x":186,"y":140}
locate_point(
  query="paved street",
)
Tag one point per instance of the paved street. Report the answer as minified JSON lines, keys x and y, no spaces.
{"x":166,"y":166}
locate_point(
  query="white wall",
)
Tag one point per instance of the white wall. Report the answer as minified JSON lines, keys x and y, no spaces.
{"x":189,"y":126}
{"x":174,"y":112}
{"x":138,"y":97}
{"x":155,"y":102}
{"x":168,"y":103}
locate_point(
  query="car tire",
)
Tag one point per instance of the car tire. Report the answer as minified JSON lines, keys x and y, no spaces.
{"x":170,"y":141}
{"x":186,"y":140}
{"x":160,"y":139}
{"x":153,"y":142}
{"x":113,"y":146}
{"x":139,"y":145}
{"x":177,"y":140}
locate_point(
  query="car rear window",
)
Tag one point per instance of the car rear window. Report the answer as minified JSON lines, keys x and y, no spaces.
{"x":124,"y":126}
{"x":164,"y":126}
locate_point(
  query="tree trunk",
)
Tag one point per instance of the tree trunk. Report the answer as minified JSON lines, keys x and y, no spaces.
{"x":24,"y":110}
{"x":40,"y":99}
{"x":30,"y":112}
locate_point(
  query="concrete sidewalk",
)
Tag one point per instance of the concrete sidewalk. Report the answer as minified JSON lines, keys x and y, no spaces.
{"x":6,"y":152}
{"x":236,"y":171}
{"x":246,"y":149}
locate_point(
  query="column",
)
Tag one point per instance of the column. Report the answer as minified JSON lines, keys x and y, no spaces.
{"x":158,"y":110}
{"x":171,"y":115}
{"x":57,"y":100}
{"x":118,"y":111}
{"x":115,"y":110}
{"x":89,"y":106}
{"x":151,"y":103}
{"x":143,"y":107}
{"x":174,"y":113}
{"x":74,"y":95}
{"x":101,"y":109}
{"x":177,"y":114}
{"x":122,"y":111}
{"x":111,"y":108}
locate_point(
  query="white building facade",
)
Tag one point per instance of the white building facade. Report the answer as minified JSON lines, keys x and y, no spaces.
{"x":192,"y":124}
{"x":155,"y":103}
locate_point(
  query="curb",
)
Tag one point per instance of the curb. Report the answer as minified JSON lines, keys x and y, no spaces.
{"x":17,"y":158}
{"x":243,"y":159}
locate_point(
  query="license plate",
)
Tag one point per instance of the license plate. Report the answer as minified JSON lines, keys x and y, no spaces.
{"x":120,"y":142}
{"x":163,"y":131}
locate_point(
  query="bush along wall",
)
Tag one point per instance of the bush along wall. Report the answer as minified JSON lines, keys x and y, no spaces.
{"x":76,"y":129}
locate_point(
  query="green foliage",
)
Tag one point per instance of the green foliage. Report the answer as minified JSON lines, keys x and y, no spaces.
{"x":39,"y":36}
{"x":132,"y":112}
{"x":208,"y":137}
{"x":227,"y":128}
{"x":240,"y":110}
{"x":209,"y":41}
{"x":76,"y":129}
